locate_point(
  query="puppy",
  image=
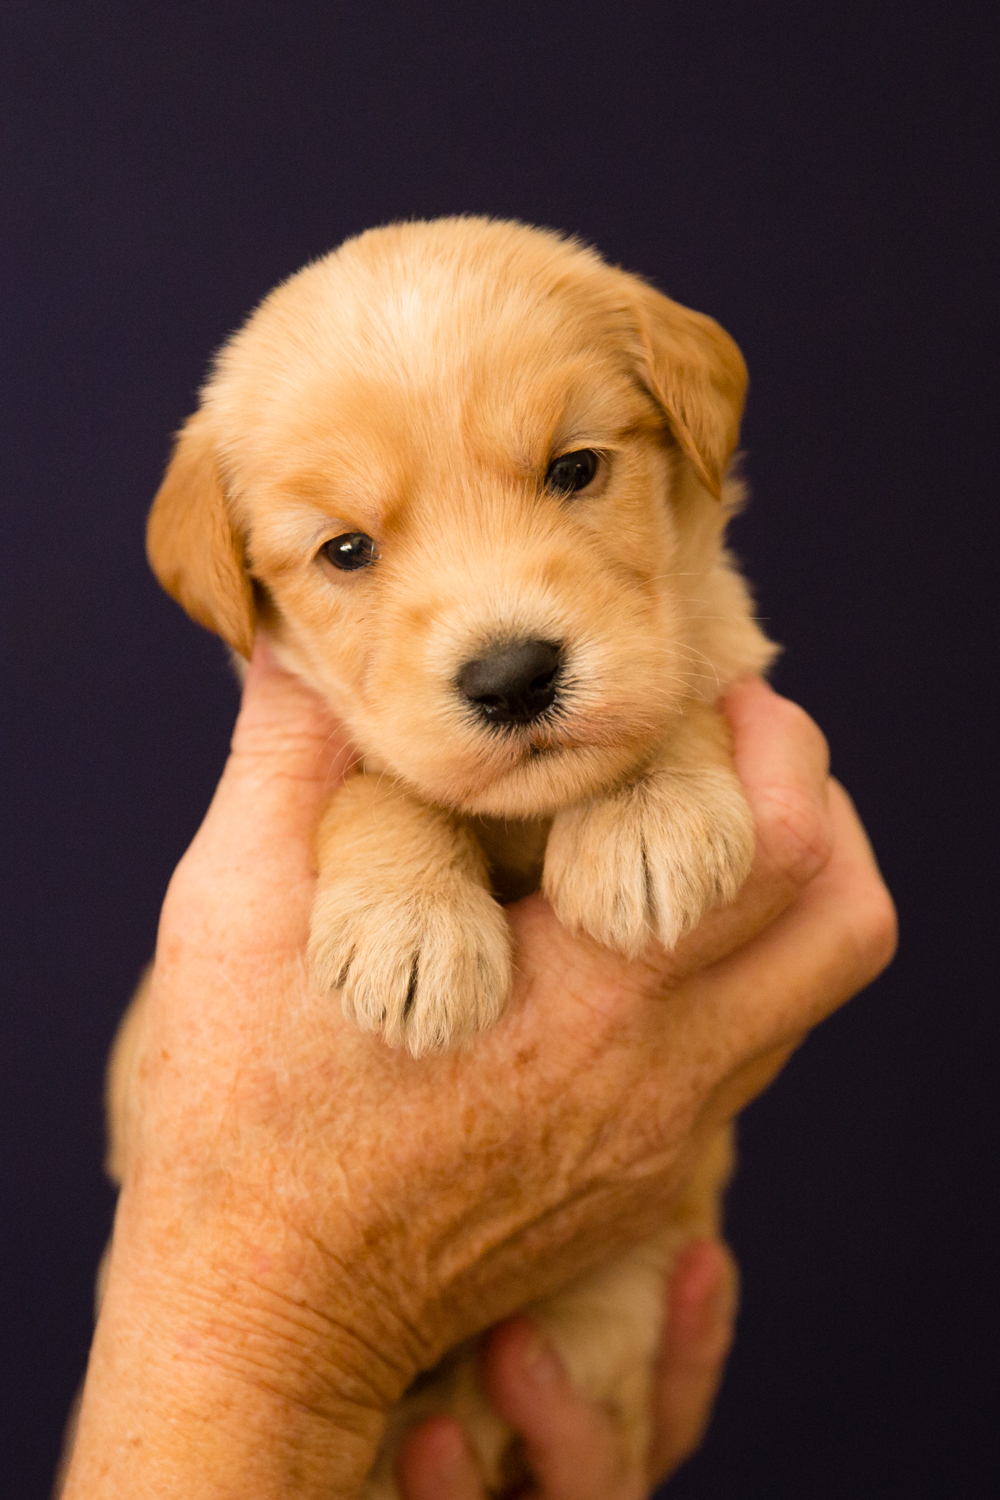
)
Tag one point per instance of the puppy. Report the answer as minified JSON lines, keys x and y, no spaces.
{"x":471,"y":481}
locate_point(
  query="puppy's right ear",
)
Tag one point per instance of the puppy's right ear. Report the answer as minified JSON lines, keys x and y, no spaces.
{"x":192,"y":545}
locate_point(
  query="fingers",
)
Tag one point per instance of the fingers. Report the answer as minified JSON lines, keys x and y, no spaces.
{"x":838,"y":935}
{"x":435,"y":1463}
{"x":814,"y":911}
{"x":287,"y":754}
{"x":573,"y":1449}
{"x":278,"y":715}
{"x":284,"y":736}
{"x":697,"y":1336}
{"x":782,"y":760}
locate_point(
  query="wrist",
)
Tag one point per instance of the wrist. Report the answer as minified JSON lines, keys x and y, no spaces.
{"x":224,"y":1369}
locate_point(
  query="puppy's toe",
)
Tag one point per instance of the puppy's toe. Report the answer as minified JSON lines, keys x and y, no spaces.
{"x":650,"y":860}
{"x":701,"y":847}
{"x":595,"y":873}
{"x":423,"y":970}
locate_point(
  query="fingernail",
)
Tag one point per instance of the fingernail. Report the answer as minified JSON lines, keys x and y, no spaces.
{"x":706,"y":1292}
{"x":454,"y":1458}
{"x":542,"y":1364}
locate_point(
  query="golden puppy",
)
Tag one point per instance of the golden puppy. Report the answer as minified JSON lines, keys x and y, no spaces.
{"x":471,"y":481}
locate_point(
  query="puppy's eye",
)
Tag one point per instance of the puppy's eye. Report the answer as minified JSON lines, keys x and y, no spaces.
{"x":572,"y":472}
{"x":352,"y":550}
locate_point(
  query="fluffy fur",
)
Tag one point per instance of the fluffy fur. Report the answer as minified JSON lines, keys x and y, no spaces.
{"x":415,"y":385}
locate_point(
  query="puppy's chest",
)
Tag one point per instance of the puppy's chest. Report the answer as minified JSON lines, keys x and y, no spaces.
{"x":515,"y":849}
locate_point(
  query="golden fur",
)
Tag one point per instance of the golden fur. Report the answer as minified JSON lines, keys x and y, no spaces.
{"x":415,"y":385}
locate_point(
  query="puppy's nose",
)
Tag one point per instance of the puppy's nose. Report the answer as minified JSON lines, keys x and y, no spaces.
{"x":515,"y":683}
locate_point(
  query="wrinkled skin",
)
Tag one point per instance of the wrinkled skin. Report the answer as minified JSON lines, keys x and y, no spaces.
{"x":308,"y":1219}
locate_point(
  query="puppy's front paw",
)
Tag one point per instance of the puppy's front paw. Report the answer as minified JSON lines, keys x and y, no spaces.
{"x":651,"y":859}
{"x":424,"y":968}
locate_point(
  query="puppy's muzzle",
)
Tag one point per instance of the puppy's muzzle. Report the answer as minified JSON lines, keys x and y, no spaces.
{"x":514,"y":684}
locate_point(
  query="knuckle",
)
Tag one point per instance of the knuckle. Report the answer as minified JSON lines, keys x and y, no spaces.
{"x":876,"y":929}
{"x":793,"y":831}
{"x":263,"y":745}
{"x":801,"y":728}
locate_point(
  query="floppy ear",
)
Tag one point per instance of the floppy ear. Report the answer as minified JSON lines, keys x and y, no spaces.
{"x":192,"y":545}
{"x":698,"y":376}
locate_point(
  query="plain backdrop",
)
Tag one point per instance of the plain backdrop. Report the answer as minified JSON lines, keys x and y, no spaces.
{"x":817,"y":178}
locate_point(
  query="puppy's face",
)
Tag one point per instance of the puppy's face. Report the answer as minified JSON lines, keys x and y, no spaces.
{"x":450,"y":459}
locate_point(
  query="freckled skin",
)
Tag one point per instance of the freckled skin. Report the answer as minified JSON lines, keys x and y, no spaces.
{"x":418,"y":394}
{"x":247,"y":1114}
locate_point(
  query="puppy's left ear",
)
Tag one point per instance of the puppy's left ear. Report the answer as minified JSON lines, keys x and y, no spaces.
{"x":697,"y":374}
{"x":192,"y":545}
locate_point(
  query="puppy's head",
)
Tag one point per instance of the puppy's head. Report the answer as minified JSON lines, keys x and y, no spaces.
{"x":464,"y":469}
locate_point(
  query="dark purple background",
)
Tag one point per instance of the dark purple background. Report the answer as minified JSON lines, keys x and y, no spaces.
{"x":815,"y":177}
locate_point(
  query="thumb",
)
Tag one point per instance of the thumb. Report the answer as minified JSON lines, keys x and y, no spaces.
{"x":287,"y":755}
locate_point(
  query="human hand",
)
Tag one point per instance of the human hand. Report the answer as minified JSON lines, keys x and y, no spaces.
{"x":571,"y":1444}
{"x":308,"y":1219}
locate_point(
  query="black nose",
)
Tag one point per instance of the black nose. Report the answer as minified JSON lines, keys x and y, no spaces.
{"x":515,"y":683}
